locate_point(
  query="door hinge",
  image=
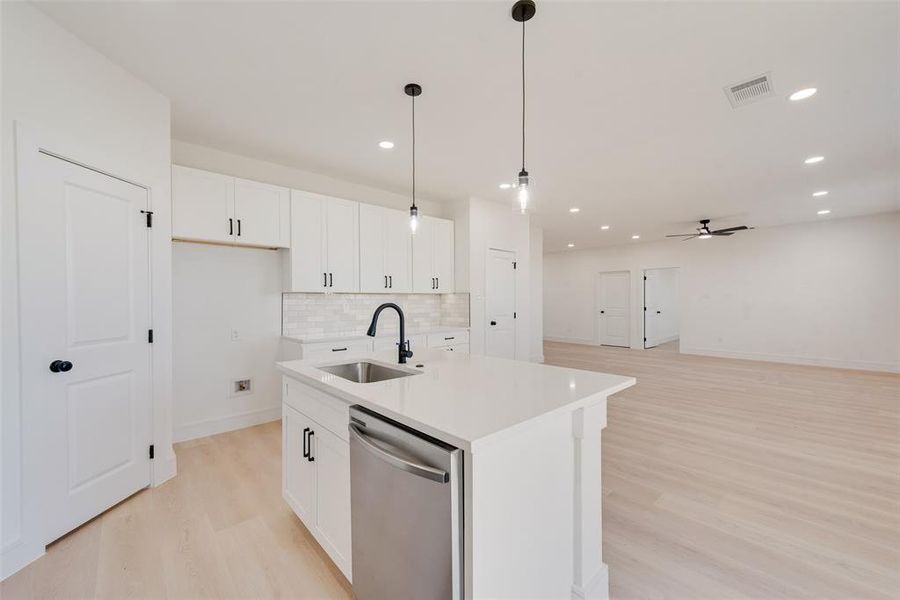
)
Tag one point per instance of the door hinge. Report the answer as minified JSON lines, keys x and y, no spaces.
{"x":514,"y":265}
{"x":149,"y":214}
{"x":151,"y":451}
{"x":645,"y":278}
{"x":149,"y":336}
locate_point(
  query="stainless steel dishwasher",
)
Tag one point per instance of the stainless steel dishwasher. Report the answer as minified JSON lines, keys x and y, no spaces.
{"x":406,"y":507}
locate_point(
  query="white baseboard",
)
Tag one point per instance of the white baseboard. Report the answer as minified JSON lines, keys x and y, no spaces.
{"x":18,"y":555}
{"x":570,"y":340}
{"x":165,"y":467}
{"x":795,"y":360}
{"x":207,"y":427}
{"x":595,"y":589}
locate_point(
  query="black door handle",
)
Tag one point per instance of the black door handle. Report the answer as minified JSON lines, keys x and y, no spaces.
{"x":60,"y":366}
{"x":659,"y":312}
{"x":602,"y":312}
{"x":305,"y":442}
{"x":493,"y":322}
{"x":310,"y":456}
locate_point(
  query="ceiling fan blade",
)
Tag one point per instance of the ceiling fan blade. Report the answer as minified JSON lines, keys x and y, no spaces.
{"x":682,"y":235}
{"x":722,"y":234}
{"x":726,"y":230}
{"x":690,"y":237}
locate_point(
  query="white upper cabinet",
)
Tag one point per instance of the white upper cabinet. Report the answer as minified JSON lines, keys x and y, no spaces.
{"x":324,"y":244}
{"x":210,"y":207}
{"x":262,"y":214}
{"x":384,"y":250}
{"x":433,"y":256}
{"x":202,"y":205}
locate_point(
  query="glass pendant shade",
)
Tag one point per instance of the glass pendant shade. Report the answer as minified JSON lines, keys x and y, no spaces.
{"x":413,"y":219}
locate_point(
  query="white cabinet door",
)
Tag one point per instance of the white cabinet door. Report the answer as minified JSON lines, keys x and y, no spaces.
{"x":443,"y":255}
{"x":298,"y":471}
{"x":373,"y":276}
{"x":423,"y":281}
{"x":202,"y":205}
{"x":397,"y":251}
{"x":308,"y":269}
{"x":261,"y":214}
{"x":342,"y":244}
{"x":332,"y":458}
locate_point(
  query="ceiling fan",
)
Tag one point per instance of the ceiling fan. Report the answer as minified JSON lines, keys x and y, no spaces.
{"x":704,"y":233}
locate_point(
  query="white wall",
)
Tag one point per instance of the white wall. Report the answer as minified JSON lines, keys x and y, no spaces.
{"x":221,"y":293}
{"x":536,"y":332}
{"x":53,"y":82}
{"x":480,"y":226}
{"x":814,"y":293}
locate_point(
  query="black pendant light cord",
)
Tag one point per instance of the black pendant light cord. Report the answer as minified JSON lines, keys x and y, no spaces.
{"x":523,"y":95}
{"x":413,"y":151}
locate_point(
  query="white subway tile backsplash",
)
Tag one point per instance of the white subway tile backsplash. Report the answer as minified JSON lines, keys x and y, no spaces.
{"x":310,"y":316}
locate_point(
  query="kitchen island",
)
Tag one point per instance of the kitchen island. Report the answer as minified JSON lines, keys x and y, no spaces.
{"x":529,"y":437}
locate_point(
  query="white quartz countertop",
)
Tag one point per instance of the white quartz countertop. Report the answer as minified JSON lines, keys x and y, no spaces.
{"x":385,"y":334}
{"x":462,"y":399}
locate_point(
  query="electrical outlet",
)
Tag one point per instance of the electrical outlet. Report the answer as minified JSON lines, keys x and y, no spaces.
{"x":235,"y":335}
{"x":241,"y":386}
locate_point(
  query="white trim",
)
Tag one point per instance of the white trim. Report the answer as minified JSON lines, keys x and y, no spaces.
{"x":795,"y":360}
{"x":572,"y":340}
{"x":206,"y":427}
{"x":596,"y":589}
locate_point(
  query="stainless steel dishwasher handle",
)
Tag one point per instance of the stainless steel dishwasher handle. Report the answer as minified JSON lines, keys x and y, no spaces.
{"x":396,"y":461}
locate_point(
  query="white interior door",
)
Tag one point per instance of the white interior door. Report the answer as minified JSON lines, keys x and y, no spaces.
{"x":500,"y":304}
{"x":613,"y":307}
{"x":84,"y":251}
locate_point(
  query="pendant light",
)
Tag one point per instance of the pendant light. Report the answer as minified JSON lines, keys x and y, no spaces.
{"x":412,"y":90}
{"x":522,"y":11}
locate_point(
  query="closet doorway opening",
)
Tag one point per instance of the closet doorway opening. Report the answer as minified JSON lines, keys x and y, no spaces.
{"x":662,"y":315}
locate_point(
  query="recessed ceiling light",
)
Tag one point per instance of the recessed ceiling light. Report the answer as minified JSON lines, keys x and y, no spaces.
{"x":820,"y":193}
{"x":574,"y":209}
{"x":802,"y":94}
{"x":635,"y":237}
{"x":814,"y":159}
{"x":505,"y":186}
{"x":571,"y":245}
{"x":604,"y":227}
{"x":824,"y":211}
{"x":386,"y":144}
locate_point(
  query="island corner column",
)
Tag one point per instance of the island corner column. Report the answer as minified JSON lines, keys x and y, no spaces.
{"x":591,"y":575}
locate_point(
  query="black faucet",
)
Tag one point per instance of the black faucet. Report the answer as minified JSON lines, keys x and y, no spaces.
{"x":403,"y":347}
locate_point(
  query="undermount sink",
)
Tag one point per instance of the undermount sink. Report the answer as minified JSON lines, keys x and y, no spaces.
{"x":365,"y":372}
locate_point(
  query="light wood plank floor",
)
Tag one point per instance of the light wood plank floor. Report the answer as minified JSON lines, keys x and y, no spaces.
{"x":722,"y":479}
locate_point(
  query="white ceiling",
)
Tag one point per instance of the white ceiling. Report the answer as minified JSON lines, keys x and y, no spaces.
{"x":627,"y":118}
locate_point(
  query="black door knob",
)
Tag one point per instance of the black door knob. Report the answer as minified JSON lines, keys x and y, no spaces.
{"x":659,"y":312}
{"x":493,"y":322}
{"x":602,"y":312}
{"x":60,"y":366}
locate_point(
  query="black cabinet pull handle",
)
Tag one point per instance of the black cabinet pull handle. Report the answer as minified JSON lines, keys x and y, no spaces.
{"x":230,"y":226}
{"x":338,"y":349}
{"x":433,"y":283}
{"x":331,"y":280}
{"x":311,"y":458}
{"x":385,"y":282}
{"x":438,"y":283}
{"x":324,"y":279}
{"x":659,"y":312}
{"x":239,"y":227}
{"x":60,"y":366}
{"x":452,"y":337}
{"x":305,"y":442}
{"x":391,"y":281}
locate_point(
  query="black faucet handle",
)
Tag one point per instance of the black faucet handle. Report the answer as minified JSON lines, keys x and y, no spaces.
{"x":406,"y":351}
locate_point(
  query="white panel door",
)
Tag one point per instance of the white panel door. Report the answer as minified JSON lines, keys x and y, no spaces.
{"x":443,"y":255}
{"x":307,"y":256}
{"x":332,"y":459}
{"x":202,"y":205}
{"x":613,"y":307}
{"x":84,"y":251}
{"x":500,"y":304}
{"x":259,"y":211}
{"x":298,"y":471}
{"x":342,"y":244}
{"x":373,"y":278}
{"x":398,"y":251}
{"x":423,"y":279}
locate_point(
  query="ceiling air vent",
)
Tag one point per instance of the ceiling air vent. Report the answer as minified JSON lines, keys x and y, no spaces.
{"x":749,"y":91}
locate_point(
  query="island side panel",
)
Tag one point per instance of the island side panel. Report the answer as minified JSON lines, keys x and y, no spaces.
{"x":520,"y":513}
{"x":591,"y":573}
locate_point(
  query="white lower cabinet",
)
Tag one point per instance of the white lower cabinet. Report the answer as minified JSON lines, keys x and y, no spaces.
{"x":316,"y":471}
